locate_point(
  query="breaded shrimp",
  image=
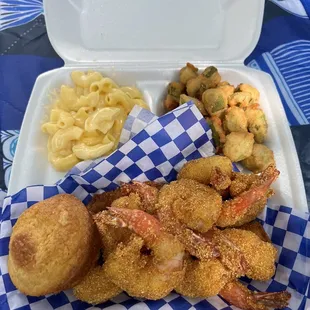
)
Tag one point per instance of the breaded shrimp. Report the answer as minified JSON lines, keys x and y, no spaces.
{"x":186,"y":209}
{"x":194,"y":204}
{"x":220,"y":181}
{"x":231,"y":255}
{"x":148,"y":193}
{"x":259,"y":255}
{"x":102,"y":201}
{"x":132,"y":201}
{"x":256,"y":228}
{"x":241,"y":182}
{"x":200,"y":169}
{"x":238,"y":295}
{"x":150,"y":276}
{"x":198,"y":245}
{"x":96,"y":287}
{"x":245,"y":207}
{"x":203,"y":278}
{"x":110,"y":236}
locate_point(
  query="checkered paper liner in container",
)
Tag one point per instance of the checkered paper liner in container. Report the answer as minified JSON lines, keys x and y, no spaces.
{"x":156,"y":151}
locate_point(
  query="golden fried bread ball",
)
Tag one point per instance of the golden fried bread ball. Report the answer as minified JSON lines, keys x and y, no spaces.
{"x":53,"y":246}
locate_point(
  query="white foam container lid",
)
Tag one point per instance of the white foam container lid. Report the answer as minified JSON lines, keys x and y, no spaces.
{"x":145,"y":43}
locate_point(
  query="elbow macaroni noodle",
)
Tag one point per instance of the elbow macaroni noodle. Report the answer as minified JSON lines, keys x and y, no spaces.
{"x":86,"y":120}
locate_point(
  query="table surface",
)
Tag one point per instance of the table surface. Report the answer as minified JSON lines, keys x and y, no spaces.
{"x":283,"y":51}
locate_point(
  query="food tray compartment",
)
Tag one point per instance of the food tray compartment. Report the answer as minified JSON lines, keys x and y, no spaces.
{"x":152,"y":81}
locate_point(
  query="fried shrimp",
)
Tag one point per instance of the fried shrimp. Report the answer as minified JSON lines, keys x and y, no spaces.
{"x":203,"y":278}
{"x":187,"y":208}
{"x":96,"y":287}
{"x":231,"y":255}
{"x":132,"y":201}
{"x":256,"y":228}
{"x":259,"y":255}
{"x":198,"y":245}
{"x":241,"y":182}
{"x":245,"y":207}
{"x":110,"y":236}
{"x":200,"y":169}
{"x":240,"y":296}
{"x":194,"y":204}
{"x":147,"y":192}
{"x":220,"y":181}
{"x":103,"y":201}
{"x":151,"y":276}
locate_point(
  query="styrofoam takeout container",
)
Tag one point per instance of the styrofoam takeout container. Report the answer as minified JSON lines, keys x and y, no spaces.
{"x":145,"y":43}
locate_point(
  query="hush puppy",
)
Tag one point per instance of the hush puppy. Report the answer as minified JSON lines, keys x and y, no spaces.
{"x":53,"y":246}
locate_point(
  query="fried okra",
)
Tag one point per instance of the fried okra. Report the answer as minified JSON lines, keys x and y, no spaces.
{"x":212,"y":76}
{"x":218,"y":132}
{"x":257,"y":123}
{"x":235,"y":120}
{"x":249,"y":89}
{"x":170,"y":104}
{"x":187,"y":73}
{"x":184,"y":98}
{"x":194,"y":86}
{"x":238,"y":146}
{"x":261,"y":158}
{"x":175,"y":90}
{"x":239,"y":99}
{"x":227,"y":88}
{"x":214,"y":100}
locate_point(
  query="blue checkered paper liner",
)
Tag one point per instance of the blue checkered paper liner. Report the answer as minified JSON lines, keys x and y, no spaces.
{"x":156,"y":152}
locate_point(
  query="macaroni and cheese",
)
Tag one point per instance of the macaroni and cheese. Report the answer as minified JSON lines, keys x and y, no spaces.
{"x":86,"y":120}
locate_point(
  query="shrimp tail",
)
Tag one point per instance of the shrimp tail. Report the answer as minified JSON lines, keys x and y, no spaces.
{"x":106,"y":218}
{"x":148,"y":193}
{"x":274,"y":300}
{"x":240,"y":296}
{"x":204,"y":246}
{"x":142,"y":223}
{"x":234,"y":209}
{"x":197,"y":244}
{"x":231,"y":255}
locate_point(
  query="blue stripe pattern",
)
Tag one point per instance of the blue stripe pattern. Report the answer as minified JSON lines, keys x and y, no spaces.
{"x":18,"y":12}
{"x":293,"y":63}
